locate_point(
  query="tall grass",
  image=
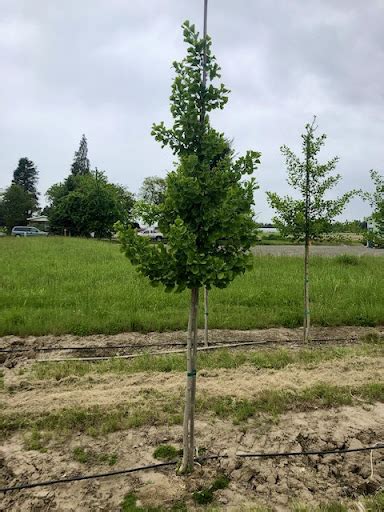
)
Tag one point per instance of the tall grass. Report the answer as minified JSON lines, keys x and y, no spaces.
{"x":68,"y":285}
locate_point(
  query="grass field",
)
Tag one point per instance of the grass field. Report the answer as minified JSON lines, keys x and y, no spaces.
{"x":58,"y":285}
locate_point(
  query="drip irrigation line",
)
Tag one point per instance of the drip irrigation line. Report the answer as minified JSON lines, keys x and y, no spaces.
{"x":157,"y":353}
{"x":271,"y":455}
{"x":19,"y":487}
{"x":78,"y":478}
{"x":173,"y":344}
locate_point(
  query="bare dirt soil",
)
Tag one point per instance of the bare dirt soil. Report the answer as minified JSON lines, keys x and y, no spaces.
{"x":276,"y":483}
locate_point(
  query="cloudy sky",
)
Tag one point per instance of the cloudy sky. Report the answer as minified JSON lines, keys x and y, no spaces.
{"x":103,"y":68}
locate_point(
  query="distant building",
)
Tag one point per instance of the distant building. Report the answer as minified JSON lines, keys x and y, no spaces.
{"x":39,"y":221}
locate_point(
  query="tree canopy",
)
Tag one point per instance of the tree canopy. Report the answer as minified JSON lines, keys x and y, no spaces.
{"x":207,"y":213}
{"x":17,"y":205}
{"x":89,"y":205}
{"x":376,"y":200}
{"x":313,"y":213}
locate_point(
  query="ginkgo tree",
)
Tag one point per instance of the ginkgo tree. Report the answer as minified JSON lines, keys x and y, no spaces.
{"x":375,"y":236}
{"x":206,"y":215}
{"x":309,"y":217}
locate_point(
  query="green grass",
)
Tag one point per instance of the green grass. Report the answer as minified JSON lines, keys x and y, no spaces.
{"x":1,"y":380}
{"x":162,"y":409}
{"x":272,"y":359}
{"x":68,"y":285}
{"x":89,"y":456}
{"x":166,"y":452}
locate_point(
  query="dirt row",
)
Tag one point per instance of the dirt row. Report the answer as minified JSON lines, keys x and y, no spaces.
{"x":277,"y":483}
{"x":273,"y":482}
{"x":245,"y":382}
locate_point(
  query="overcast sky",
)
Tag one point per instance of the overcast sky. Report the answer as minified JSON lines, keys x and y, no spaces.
{"x":103,"y":68}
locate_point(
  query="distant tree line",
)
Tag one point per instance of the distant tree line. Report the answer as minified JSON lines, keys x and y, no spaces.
{"x":84,"y":204}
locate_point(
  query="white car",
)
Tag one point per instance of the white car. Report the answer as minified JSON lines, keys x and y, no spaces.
{"x":152,"y":233}
{"x":27,"y":231}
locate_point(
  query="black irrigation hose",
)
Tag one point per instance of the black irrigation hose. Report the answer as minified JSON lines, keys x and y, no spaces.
{"x":84,"y":477}
{"x":174,"y":462}
{"x":160,"y":344}
{"x":78,"y":478}
{"x":311,"y":452}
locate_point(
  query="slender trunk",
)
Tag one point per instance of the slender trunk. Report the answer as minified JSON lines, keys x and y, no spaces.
{"x":190,"y":392}
{"x":307,"y":317}
{"x":205,"y":316}
{"x":307,"y":314}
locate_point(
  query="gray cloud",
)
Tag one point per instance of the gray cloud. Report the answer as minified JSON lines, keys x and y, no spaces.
{"x":104,"y":68}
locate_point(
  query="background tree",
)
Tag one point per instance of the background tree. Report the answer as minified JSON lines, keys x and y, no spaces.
{"x":152,"y":190}
{"x":80,"y":165}
{"x":150,"y":199}
{"x":92,"y":206}
{"x":310,"y":217}
{"x":207,"y":211}
{"x":375,"y":236}
{"x":26,"y":176}
{"x":17,"y":205}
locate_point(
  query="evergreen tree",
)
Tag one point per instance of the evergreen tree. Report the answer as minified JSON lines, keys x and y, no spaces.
{"x":26,"y":175}
{"x":80,"y":165}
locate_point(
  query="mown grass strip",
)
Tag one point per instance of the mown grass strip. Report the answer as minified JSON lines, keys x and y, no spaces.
{"x":156,"y":408}
{"x":270,"y":359}
{"x":108,"y":296}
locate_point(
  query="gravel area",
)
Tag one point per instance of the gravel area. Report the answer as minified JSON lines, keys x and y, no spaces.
{"x":318,"y":250}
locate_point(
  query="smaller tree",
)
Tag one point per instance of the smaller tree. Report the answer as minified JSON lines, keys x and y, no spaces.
{"x":80,"y":165}
{"x":310,"y":217}
{"x":26,"y":176}
{"x":17,"y":205}
{"x":375,"y":236}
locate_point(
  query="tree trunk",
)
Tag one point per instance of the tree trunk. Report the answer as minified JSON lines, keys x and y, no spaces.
{"x":205,"y":316}
{"x":307,"y":314}
{"x":190,"y":392}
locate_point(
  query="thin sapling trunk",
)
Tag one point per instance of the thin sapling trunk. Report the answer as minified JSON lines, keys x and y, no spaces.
{"x":190,"y":392}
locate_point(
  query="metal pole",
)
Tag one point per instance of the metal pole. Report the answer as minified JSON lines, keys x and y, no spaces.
{"x":204,"y":80}
{"x":205,"y":35}
{"x":204,"y":77}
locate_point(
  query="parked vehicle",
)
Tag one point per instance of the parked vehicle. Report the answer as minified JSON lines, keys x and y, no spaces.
{"x":153,"y":233}
{"x":27,"y":231}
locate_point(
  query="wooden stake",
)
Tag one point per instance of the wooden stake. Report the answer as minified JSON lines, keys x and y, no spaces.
{"x":205,"y":316}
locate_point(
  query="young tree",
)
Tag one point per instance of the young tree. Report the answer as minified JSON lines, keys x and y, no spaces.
{"x":309,"y":218}
{"x":17,"y":205}
{"x":206,"y":215}
{"x":80,"y":165}
{"x":376,"y":199}
{"x":26,"y":175}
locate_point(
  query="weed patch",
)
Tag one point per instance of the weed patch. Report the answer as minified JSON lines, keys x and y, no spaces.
{"x":166,"y":452}
{"x":88,"y":456}
{"x":205,"y":495}
{"x":168,"y":409}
